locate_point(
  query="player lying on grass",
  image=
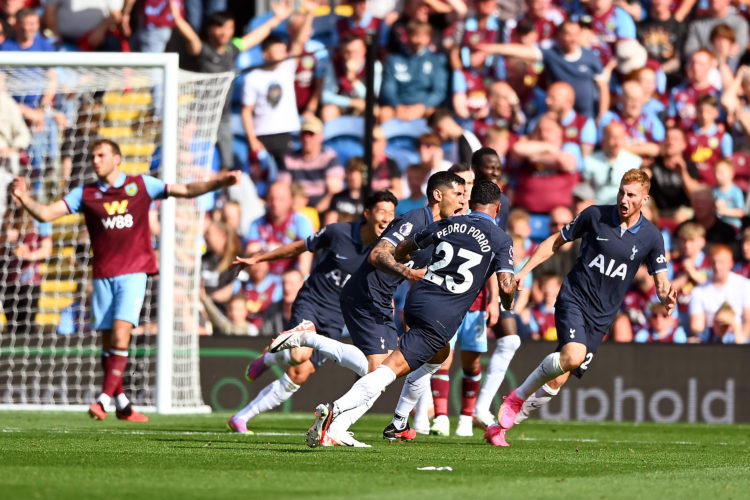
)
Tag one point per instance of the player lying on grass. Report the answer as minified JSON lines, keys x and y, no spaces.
{"x":317,"y":310}
{"x":367,"y":299}
{"x":617,"y":239}
{"x":116,"y":209}
{"x":468,"y":249}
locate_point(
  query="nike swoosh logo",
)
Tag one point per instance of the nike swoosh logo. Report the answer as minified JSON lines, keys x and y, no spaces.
{"x":342,"y":257}
{"x":599,"y":238}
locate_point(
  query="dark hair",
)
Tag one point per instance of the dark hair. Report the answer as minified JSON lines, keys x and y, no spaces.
{"x":109,"y":142}
{"x":437,"y":116}
{"x":485,"y":192}
{"x":218,"y":18}
{"x":442,"y":180}
{"x":379,"y":196}
{"x":271,"y":40}
{"x":26,"y":12}
{"x":351,"y":37}
{"x":707,"y":99}
{"x":480,"y":153}
{"x":458,"y":168}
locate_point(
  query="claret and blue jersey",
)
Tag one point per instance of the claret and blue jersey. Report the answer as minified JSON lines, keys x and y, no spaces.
{"x":468,"y":249}
{"x":608,"y":260}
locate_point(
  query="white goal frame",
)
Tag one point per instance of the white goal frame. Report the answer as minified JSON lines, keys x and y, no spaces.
{"x":167,"y":62}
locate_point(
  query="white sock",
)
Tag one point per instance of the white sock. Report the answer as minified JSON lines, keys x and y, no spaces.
{"x":121,"y":401}
{"x":281,"y":358}
{"x":416,"y":383}
{"x":105,"y":400}
{"x":345,"y":420}
{"x":345,"y":355}
{"x":365,"y":389}
{"x":269,"y":398}
{"x":541,"y":397}
{"x":547,"y":370}
{"x":504,"y":351}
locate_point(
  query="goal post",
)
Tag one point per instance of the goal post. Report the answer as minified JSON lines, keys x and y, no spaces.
{"x":166,"y":121}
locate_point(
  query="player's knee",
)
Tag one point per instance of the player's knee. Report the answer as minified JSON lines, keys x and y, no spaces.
{"x":572,"y":359}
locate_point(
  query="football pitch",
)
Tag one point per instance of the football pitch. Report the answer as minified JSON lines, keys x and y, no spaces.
{"x":67,"y":455}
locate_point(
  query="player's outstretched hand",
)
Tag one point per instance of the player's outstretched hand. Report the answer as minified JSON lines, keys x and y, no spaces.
{"x":244,"y":262}
{"x":519,"y":278}
{"x":230,"y":177}
{"x":671,"y":299}
{"x":18,"y":188}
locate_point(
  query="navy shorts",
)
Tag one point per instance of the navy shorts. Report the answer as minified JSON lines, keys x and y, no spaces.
{"x":372,"y":331}
{"x":573,"y":327}
{"x":327,"y":323}
{"x":421,"y":342}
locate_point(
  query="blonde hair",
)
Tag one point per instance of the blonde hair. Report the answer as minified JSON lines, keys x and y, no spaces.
{"x":690,"y":231}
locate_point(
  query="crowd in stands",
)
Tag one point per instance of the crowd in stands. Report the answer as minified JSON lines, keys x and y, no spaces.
{"x":570,"y":93}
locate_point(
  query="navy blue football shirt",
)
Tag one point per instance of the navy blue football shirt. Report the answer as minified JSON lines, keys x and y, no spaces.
{"x":344,"y":254}
{"x":468,"y":249}
{"x":369,"y":285}
{"x":609,"y":258}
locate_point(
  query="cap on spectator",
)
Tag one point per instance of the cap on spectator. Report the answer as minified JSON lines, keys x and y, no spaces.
{"x":631,"y":56}
{"x":313,"y":125}
{"x":584,"y":191}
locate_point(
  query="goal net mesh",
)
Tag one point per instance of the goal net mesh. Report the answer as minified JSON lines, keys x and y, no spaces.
{"x":48,"y":353}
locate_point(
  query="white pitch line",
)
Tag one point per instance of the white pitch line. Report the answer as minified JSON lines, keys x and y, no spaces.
{"x":142,"y":432}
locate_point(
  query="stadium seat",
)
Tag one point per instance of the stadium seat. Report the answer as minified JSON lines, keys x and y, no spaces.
{"x":741,"y":162}
{"x":539,"y":227}
{"x":344,"y":135}
{"x":402,"y":140}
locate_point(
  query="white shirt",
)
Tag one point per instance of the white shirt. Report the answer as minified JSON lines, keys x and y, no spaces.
{"x":271,"y":93}
{"x":708,"y":297}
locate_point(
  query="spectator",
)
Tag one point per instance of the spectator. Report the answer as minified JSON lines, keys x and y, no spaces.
{"x":269,"y":106}
{"x":562,"y":262}
{"x":361,"y":23}
{"x":730,"y":201}
{"x":734,"y":100}
{"x":314,"y":167}
{"x":583,"y":197}
{"x":431,"y":154}
{"x":542,"y":317}
{"x":707,"y":140}
{"x":568,"y":61}
{"x":234,"y":322}
{"x":154,"y":24}
{"x":470,"y":93}
{"x":654,"y":93}
{"x":704,"y":209}
{"x":690,"y":266}
{"x":610,"y":25}
{"x":416,"y":178}
{"x":15,"y":137}
{"x":662,"y":34}
{"x":724,"y":48}
{"x":311,"y":66}
{"x":347,"y":205}
{"x":662,"y":327}
{"x":504,"y":112}
{"x":301,"y":205}
{"x":413,"y":10}
{"x":27,"y":35}
{"x":644,"y":132}
{"x":699,"y":31}
{"x":344,"y":85}
{"x":526,"y":76}
{"x":633,"y":315}
{"x":543,"y":16}
{"x":578,"y":129}
{"x":415,"y":80}
{"x":458,"y":144}
{"x":216,"y":54}
{"x":23,"y":244}
{"x":280,"y":226}
{"x":259,"y":290}
{"x":88,"y":25}
{"x":385,"y":171}
{"x":547,"y":168}
{"x":603,"y":169}
{"x":8,"y":11}
{"x":743,"y":266}
{"x":673,"y":177}
{"x":723,"y":287}
{"x":725,"y":328}
{"x":683,"y":98}
{"x":222,"y":247}
{"x":278,"y":315}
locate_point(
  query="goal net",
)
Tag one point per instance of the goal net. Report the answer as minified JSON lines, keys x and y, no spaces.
{"x":165,"y":122}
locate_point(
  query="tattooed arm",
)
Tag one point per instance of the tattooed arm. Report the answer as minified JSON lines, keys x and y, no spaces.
{"x":508,"y":288}
{"x":382,"y":256}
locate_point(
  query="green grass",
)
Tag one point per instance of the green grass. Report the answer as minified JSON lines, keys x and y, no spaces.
{"x":66,"y":455}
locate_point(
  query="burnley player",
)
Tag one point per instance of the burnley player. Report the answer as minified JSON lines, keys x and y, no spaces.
{"x":367,"y":298}
{"x":116,"y":209}
{"x":468,"y":249}
{"x":317,"y":310}
{"x":617,"y":239}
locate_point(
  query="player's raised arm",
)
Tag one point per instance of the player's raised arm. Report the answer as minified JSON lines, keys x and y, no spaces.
{"x":665,"y":291}
{"x":382,"y":256}
{"x":41,"y":212}
{"x":508,"y":287}
{"x":198,"y":188}
{"x":544,"y":251}
{"x":288,"y":251}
